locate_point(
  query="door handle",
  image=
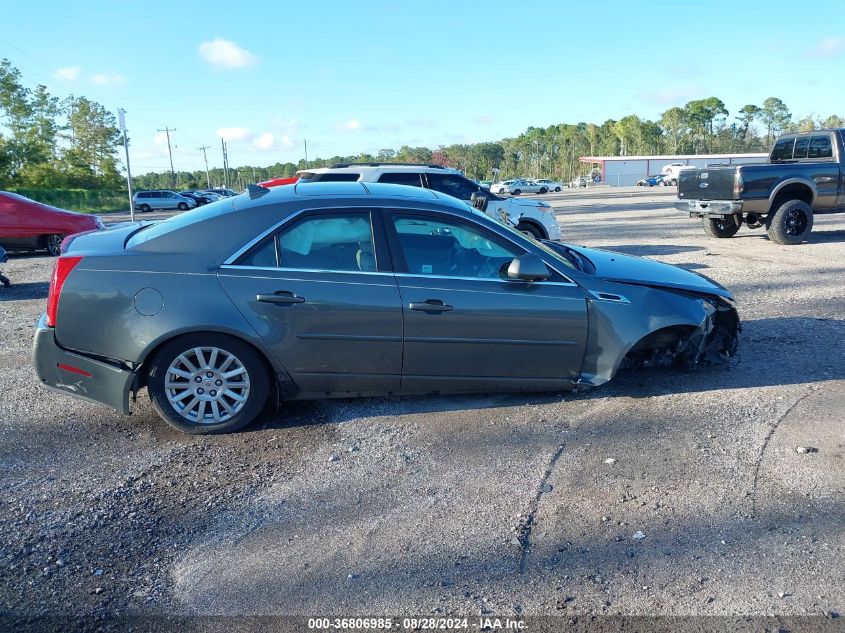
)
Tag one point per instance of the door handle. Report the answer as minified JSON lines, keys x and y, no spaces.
{"x":430,"y":305}
{"x":280,"y":297}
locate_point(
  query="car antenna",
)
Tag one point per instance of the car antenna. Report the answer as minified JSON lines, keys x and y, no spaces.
{"x":256,"y":191}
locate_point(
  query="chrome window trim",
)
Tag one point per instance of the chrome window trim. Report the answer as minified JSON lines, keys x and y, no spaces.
{"x":488,"y":279}
{"x":229,"y":261}
{"x":304,"y":270}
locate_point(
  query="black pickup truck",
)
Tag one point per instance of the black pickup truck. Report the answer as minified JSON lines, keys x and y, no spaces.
{"x":804,"y":176}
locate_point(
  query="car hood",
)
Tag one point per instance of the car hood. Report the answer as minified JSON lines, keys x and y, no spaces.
{"x":647,"y":272}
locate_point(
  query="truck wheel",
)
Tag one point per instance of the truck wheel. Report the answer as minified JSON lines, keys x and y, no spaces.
{"x":791,"y":223}
{"x":717,"y":227}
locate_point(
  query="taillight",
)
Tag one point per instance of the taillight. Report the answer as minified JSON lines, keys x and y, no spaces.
{"x":739,"y":185}
{"x":60,"y":272}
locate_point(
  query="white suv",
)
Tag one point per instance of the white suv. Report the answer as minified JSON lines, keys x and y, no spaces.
{"x":533,"y":217}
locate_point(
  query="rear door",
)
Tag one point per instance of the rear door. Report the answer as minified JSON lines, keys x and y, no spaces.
{"x":323,"y":297}
{"x":467,"y":328}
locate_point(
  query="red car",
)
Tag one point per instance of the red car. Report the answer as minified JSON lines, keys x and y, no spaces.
{"x":278,"y":182}
{"x":29,"y":225}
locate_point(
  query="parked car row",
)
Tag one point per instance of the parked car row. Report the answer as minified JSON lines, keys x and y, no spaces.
{"x":165,"y":199}
{"x":519,"y":186}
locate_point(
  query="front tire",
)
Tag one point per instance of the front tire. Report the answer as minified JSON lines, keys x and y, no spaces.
{"x":145,"y":208}
{"x":530,"y":229}
{"x":791,"y":223}
{"x":543,"y":190}
{"x":53,"y":244}
{"x":208,"y":383}
{"x":719,"y":228}
{"x":557,"y":189}
{"x":516,"y":192}
{"x":183,"y":206}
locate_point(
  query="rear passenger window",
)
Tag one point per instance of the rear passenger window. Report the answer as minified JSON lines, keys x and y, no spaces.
{"x":336,"y":242}
{"x":801,"y":145}
{"x":820,"y":147}
{"x":402,"y":178}
{"x":783,"y":149}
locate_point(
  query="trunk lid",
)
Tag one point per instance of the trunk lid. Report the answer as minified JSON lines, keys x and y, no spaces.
{"x":708,"y":183}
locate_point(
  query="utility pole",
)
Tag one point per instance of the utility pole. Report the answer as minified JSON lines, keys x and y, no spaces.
{"x":121,"y":117}
{"x":306,"y":152}
{"x":225,"y":164}
{"x":205,"y":157}
{"x":254,"y":179}
{"x":167,"y":131}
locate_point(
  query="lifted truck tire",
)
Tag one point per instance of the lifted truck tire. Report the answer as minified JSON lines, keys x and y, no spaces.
{"x":717,"y":227}
{"x":790,"y":223}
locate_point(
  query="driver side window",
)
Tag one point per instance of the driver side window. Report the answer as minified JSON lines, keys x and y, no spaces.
{"x":432,"y":246}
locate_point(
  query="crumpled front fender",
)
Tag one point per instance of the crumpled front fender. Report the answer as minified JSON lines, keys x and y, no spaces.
{"x":692,"y":329}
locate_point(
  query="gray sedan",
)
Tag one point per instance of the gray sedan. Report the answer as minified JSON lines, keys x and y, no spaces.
{"x":349,"y":289}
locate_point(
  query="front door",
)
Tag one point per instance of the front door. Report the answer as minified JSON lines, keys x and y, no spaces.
{"x":318,"y":293}
{"x":468,"y":328}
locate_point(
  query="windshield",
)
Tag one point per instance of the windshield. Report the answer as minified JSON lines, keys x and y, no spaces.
{"x":519,"y":236}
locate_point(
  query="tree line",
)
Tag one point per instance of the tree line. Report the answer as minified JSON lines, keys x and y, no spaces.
{"x":50,"y":143}
{"x":702,"y":126}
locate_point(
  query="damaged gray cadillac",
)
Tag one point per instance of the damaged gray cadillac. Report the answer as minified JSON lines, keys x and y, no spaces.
{"x":345,"y":289}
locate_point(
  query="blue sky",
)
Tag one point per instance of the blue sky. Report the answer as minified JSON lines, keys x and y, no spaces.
{"x":360,"y":76}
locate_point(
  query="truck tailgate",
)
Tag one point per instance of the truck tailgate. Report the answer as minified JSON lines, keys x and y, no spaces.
{"x":707,"y":183}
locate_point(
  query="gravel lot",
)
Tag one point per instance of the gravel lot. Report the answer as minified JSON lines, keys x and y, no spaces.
{"x":658,"y":494}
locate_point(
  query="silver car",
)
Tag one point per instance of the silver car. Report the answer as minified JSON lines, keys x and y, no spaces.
{"x":353,"y":289}
{"x":161,"y":199}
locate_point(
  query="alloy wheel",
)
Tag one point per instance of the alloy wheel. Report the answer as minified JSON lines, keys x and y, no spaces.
{"x":207,"y":385}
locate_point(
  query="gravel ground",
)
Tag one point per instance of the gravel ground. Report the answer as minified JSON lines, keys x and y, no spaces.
{"x":658,"y":494}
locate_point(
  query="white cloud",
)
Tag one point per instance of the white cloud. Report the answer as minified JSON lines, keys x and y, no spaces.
{"x":351,"y":125}
{"x":233,"y":133}
{"x":226,"y":54}
{"x":108,"y":79}
{"x":69,"y":73}
{"x":485,"y":119}
{"x":286,"y":140}
{"x":828,"y":48}
{"x":264,"y":141}
{"x":160,"y":138}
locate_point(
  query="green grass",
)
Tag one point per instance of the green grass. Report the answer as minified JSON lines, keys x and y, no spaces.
{"x":83,"y":200}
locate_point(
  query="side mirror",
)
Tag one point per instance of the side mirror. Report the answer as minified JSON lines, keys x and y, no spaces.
{"x":479,"y":201}
{"x":528,"y":268}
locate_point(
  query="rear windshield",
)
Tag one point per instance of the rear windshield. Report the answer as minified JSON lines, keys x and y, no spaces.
{"x":344,"y":176}
{"x":783,"y":149}
{"x":151,"y":231}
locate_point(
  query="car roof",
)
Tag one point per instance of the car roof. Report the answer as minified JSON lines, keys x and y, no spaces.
{"x":357,"y":168}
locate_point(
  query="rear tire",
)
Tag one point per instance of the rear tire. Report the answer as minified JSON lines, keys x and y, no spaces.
{"x":791,"y":223}
{"x":530,"y":229}
{"x":543,"y":190}
{"x":516,"y":192}
{"x":557,"y":189}
{"x":53,"y":244}
{"x":192,"y":392}
{"x":716,"y":227}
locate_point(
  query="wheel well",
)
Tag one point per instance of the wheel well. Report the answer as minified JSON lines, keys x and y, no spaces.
{"x":795,"y":191}
{"x":143,"y":373}
{"x":543,"y":232}
{"x":657,"y":348}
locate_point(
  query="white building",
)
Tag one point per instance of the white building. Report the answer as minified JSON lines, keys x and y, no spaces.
{"x":623,"y":171}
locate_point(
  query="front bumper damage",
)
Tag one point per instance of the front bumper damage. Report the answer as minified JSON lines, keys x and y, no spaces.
{"x":714,"y":341}
{"x":679,"y":329}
